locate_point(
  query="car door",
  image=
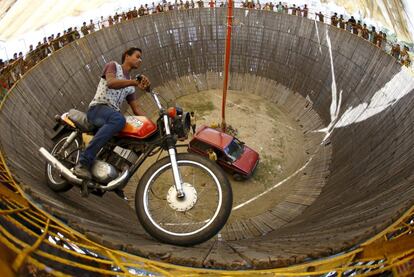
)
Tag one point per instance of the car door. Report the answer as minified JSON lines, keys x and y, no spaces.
{"x":224,"y":161}
{"x":199,"y":147}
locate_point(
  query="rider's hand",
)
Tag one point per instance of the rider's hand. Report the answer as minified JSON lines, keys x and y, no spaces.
{"x":144,"y":83}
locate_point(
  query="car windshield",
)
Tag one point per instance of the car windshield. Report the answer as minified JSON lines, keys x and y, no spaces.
{"x":234,"y":149}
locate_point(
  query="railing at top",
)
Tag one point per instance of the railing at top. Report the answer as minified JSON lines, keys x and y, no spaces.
{"x":12,"y":72}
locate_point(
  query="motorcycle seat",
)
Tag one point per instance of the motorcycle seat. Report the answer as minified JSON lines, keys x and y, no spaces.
{"x":80,"y":120}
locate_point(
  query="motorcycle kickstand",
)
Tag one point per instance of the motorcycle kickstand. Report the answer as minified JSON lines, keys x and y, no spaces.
{"x":84,"y":189}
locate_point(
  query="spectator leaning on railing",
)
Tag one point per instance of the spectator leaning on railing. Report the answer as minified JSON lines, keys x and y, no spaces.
{"x":396,"y":51}
{"x":12,"y":70}
{"x":3,"y":87}
{"x":305,"y":11}
{"x":84,"y":29}
{"x":334,"y":20}
{"x":356,"y":27}
{"x":405,"y":57}
{"x":365,"y":32}
{"x":320,"y":16}
{"x":341,"y":22}
{"x":352,"y":25}
{"x":91,"y":26}
{"x":359,"y":28}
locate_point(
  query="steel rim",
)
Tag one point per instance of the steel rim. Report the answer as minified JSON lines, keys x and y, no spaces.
{"x":53,"y":173}
{"x":167,"y":227}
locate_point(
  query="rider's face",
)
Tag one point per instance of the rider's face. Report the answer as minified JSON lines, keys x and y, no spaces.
{"x":135,"y":59}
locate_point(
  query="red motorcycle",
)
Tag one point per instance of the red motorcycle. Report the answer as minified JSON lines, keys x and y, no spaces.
{"x":182,"y":199}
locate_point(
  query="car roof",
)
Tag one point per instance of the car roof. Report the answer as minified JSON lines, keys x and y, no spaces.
{"x":214,"y":137}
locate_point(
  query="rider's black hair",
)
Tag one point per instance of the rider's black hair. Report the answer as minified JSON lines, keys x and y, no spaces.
{"x":129,"y":52}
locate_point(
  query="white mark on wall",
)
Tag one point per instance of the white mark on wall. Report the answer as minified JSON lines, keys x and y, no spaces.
{"x":319,"y":39}
{"x":274,"y":186}
{"x":309,"y":99}
{"x":395,"y":89}
{"x":336,"y":100}
{"x":399,"y":86}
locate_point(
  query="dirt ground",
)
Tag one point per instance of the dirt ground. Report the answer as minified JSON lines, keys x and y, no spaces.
{"x":263,"y":126}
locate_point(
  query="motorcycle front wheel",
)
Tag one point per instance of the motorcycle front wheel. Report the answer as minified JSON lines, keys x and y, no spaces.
{"x":192,"y":219}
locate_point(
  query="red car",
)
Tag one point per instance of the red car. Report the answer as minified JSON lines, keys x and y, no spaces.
{"x":232,"y":154}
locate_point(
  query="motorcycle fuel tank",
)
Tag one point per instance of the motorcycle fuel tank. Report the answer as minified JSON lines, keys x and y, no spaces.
{"x":138,"y":127}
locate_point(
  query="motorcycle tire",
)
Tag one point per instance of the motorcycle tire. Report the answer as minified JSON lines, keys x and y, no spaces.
{"x":219,"y":217}
{"x":55,"y":183}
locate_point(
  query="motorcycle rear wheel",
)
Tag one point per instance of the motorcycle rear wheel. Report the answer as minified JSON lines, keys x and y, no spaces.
{"x":70,"y":158}
{"x":199,"y":215}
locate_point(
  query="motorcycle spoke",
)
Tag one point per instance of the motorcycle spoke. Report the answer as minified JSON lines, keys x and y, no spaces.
{"x":156,"y":208}
{"x":162,"y":213}
{"x":156,"y":195}
{"x":68,"y":158}
{"x":202,"y":191}
{"x":190,"y":216}
{"x":181,"y":224}
{"x":198,"y":215}
{"x":162,"y":221}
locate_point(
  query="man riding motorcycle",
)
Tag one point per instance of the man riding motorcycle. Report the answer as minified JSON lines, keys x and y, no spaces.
{"x":104,"y":113}
{"x":174,"y":182}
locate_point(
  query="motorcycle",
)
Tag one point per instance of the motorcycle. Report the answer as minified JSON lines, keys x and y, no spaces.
{"x":182,"y":199}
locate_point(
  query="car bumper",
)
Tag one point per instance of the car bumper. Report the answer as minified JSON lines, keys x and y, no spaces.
{"x":253,"y":170}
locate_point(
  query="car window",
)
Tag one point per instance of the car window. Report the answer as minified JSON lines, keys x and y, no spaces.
{"x":234,"y":149}
{"x":200,"y":145}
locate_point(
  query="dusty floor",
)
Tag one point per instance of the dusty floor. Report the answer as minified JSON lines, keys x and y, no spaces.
{"x":263,"y":126}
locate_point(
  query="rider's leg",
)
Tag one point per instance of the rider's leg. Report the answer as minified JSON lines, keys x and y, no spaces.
{"x":109,"y":122}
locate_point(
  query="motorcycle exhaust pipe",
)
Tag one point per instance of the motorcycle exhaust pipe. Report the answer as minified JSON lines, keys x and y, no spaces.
{"x":67,"y":174}
{"x":118,"y":182}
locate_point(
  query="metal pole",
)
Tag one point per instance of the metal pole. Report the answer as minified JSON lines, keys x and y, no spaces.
{"x":226,"y":63}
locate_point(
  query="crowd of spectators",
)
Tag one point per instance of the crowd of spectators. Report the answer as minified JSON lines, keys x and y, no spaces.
{"x":13,"y":69}
{"x":378,"y":38}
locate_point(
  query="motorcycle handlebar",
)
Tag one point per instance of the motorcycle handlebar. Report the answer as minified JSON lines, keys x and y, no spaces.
{"x":138,"y":77}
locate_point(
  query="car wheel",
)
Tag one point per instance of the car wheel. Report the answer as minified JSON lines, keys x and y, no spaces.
{"x":237,"y":177}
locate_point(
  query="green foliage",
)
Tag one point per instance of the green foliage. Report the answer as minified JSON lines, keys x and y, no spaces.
{"x":200,"y":108}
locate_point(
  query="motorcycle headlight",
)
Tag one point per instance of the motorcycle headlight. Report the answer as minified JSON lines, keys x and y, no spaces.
{"x":182,"y":125}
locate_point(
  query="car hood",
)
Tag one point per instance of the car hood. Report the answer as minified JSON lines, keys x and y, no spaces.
{"x":247,"y":161}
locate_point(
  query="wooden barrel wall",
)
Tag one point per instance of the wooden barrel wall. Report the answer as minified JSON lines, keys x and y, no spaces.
{"x":370,"y":176}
